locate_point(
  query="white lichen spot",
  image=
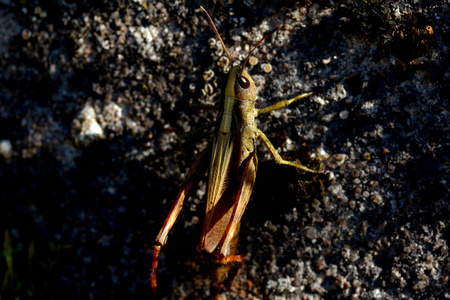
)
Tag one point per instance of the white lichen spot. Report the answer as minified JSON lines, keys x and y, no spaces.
{"x":285,"y":285}
{"x":336,"y":160}
{"x":85,"y":128}
{"x":6,"y":149}
{"x":113,"y":118}
{"x":132,"y":126}
{"x":147,"y":39}
{"x":319,"y":100}
{"x":344,"y":114}
{"x":377,"y":199}
{"x":281,"y":285}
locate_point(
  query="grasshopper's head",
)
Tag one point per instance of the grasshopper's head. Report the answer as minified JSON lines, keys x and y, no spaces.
{"x":239,"y":85}
{"x":245,"y":87}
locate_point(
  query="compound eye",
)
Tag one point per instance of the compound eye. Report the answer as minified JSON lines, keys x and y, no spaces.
{"x":243,"y":82}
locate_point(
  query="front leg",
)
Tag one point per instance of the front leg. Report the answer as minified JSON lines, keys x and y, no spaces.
{"x":283,"y":103}
{"x":278,"y":159}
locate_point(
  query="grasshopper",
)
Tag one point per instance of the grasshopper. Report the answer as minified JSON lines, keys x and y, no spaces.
{"x":232,"y":163}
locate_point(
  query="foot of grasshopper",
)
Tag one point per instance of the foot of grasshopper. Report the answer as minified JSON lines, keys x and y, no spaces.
{"x":225,"y":272}
{"x":232,"y":163}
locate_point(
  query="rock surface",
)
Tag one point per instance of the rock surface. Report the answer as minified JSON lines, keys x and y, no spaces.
{"x":81,"y":203}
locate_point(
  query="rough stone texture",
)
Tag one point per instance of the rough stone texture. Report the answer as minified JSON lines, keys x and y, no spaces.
{"x":80,"y":208}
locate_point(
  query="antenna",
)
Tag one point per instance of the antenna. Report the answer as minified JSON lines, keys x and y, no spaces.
{"x":260,"y":42}
{"x":210,"y":21}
